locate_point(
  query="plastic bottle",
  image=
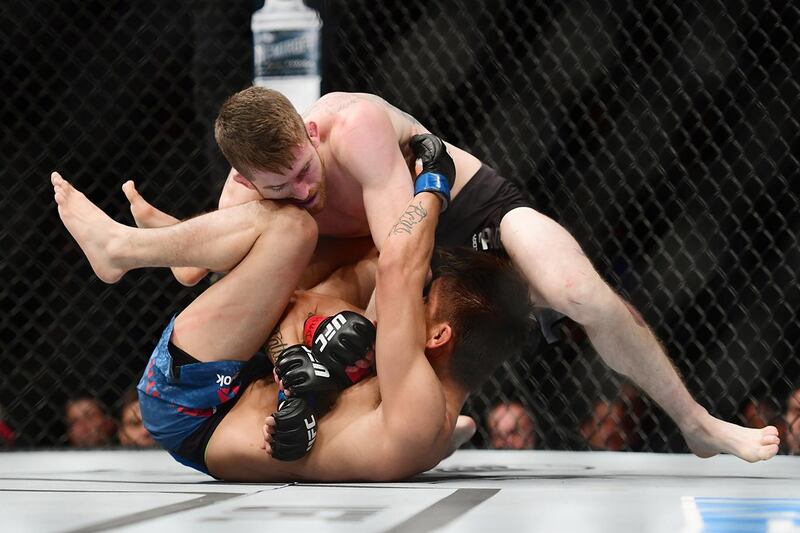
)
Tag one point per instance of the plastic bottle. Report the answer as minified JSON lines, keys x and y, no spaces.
{"x":286,"y":50}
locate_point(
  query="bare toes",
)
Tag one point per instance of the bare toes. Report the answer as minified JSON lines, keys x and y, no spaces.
{"x":129,"y":188}
{"x":768,"y":452}
{"x":58,"y":181}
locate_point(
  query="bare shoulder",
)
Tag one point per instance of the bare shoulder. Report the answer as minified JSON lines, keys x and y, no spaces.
{"x":340,"y":105}
{"x":369,"y":127}
{"x":363,"y":116}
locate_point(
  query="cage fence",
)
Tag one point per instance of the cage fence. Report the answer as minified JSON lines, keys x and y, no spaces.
{"x":663,"y":135}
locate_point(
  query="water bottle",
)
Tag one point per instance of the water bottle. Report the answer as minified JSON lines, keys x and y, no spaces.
{"x":286,"y":50}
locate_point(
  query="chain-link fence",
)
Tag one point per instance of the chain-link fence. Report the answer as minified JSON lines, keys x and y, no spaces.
{"x":662,"y":135}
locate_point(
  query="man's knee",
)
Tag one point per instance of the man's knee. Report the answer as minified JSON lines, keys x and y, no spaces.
{"x":294,"y":225}
{"x":554,"y":264}
{"x":580,"y":294}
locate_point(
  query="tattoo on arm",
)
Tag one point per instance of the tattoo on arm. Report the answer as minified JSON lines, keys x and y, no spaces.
{"x":275,"y":344}
{"x":414,"y":215}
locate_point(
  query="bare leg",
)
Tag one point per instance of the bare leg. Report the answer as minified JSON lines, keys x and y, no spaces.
{"x":92,"y":228}
{"x":147,"y":216}
{"x":265,"y":246}
{"x":567,"y":281}
{"x":710,"y":436}
{"x":217,"y":241}
{"x":234,"y":316}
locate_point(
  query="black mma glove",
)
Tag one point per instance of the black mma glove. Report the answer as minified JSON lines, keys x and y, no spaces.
{"x":295,"y":430}
{"x":438,"y":170}
{"x":339,"y":341}
{"x":431,"y":150}
{"x":301,"y":373}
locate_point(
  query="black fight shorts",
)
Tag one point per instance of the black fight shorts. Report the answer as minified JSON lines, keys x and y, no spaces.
{"x":473,"y":218}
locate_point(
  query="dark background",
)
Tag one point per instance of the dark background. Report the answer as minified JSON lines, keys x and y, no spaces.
{"x":663,"y":135}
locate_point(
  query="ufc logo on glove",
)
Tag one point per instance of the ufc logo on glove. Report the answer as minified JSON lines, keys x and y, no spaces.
{"x":333,"y":326}
{"x":311,"y":425}
{"x":319,"y":369}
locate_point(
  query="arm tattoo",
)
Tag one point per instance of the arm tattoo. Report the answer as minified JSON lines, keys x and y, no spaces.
{"x":414,"y":215}
{"x":275,"y":344}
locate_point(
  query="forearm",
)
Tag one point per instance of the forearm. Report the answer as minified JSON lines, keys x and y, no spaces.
{"x":628,"y":346}
{"x":383,"y":207}
{"x":402,"y":267}
{"x":410,"y":241}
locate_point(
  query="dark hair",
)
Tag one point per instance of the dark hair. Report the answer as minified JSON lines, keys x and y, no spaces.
{"x":257,"y":128}
{"x":85,"y":397}
{"x":129,"y":396}
{"x":486,"y":301}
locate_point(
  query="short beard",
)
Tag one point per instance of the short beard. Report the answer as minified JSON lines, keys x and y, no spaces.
{"x":320,"y":202}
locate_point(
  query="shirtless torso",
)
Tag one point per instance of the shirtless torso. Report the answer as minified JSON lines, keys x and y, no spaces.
{"x":407,"y":428}
{"x":235,"y":449}
{"x":354,"y":126}
{"x":345,"y":215}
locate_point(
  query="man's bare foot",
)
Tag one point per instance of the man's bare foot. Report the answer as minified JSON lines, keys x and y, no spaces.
{"x":712,"y":436}
{"x":94,"y":231}
{"x":147,"y":216}
{"x":144,"y":214}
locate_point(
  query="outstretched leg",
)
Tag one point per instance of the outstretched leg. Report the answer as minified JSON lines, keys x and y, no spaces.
{"x":216,"y":241}
{"x":265,"y":246}
{"x":562,"y":276}
{"x":91,"y":227}
{"x":147,"y":216}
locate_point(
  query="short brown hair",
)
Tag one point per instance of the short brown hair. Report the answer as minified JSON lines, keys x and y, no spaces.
{"x":487,"y":303}
{"x":257,"y":128}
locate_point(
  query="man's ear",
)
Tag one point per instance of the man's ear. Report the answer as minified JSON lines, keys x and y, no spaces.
{"x":238,"y":178}
{"x":439,"y":335}
{"x":313,"y":133}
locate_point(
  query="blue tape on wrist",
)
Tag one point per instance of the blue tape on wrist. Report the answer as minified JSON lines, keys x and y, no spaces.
{"x":281,"y":395}
{"x":435,"y":183}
